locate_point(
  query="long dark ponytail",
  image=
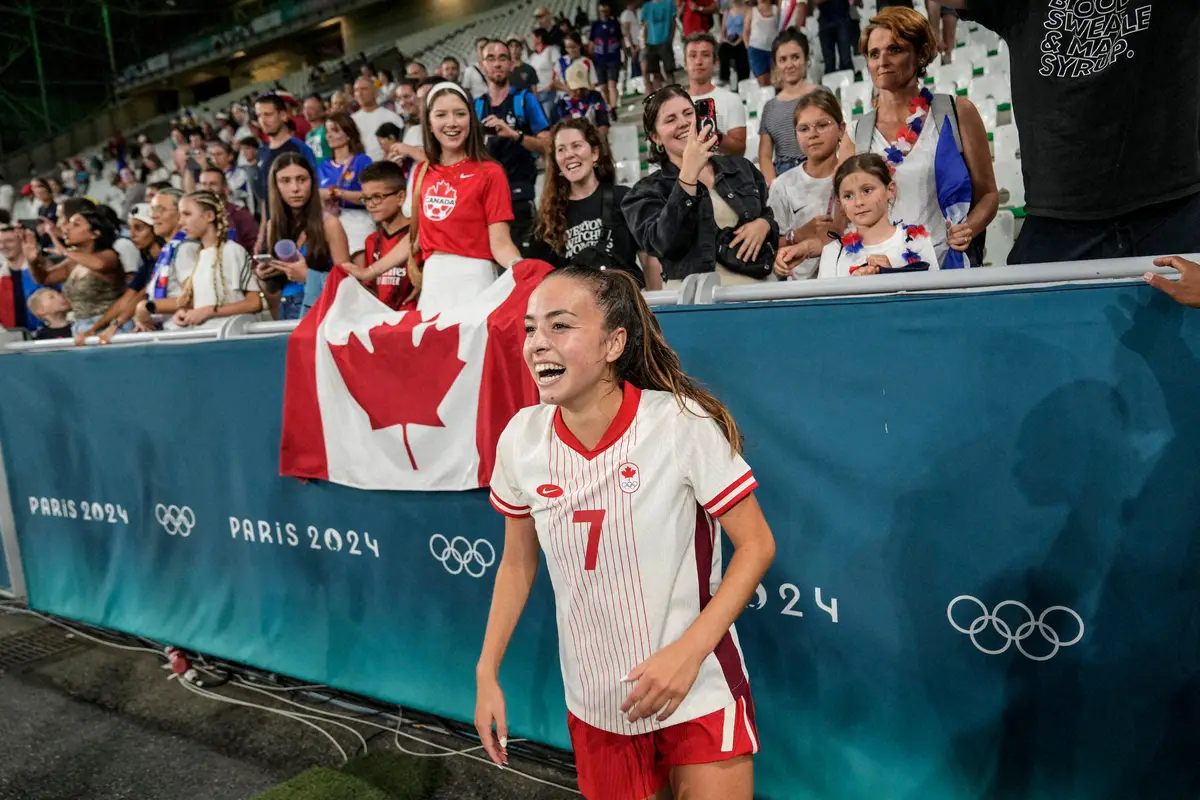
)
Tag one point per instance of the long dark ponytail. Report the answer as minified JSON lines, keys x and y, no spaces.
{"x":647,"y":362}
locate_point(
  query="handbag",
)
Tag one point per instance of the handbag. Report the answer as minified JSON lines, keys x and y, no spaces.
{"x":760,"y":268}
{"x":414,"y":241}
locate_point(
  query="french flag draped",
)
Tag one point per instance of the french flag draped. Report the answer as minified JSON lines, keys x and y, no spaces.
{"x":8,"y":290}
{"x":383,"y":399}
{"x":953,"y":188}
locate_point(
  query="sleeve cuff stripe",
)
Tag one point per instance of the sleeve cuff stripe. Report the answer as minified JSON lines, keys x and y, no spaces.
{"x":733,"y":487}
{"x":728,"y":504}
{"x":507,"y":508}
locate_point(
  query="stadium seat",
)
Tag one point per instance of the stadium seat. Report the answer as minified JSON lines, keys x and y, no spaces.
{"x":623,"y":140}
{"x":856,"y":95}
{"x":1010,"y":180}
{"x":628,"y":172}
{"x":993,"y":86}
{"x":988,"y":110}
{"x":1000,"y":237}
{"x":836,"y":80}
{"x":1006,"y":143}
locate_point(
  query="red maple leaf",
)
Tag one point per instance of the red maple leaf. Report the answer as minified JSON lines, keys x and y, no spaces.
{"x":628,"y":472}
{"x":401,"y":383}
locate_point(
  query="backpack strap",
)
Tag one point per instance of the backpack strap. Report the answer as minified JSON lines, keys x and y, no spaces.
{"x":945,"y":106}
{"x":864,"y":133}
{"x":519,"y":107}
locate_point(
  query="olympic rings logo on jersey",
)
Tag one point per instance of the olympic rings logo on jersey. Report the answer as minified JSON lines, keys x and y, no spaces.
{"x":460,"y":554}
{"x":629,"y":477}
{"x":1021,"y":633}
{"x":175,"y":520}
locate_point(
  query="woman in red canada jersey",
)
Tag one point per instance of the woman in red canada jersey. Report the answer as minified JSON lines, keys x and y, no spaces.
{"x":620,"y":477}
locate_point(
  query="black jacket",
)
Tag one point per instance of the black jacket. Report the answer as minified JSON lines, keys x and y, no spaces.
{"x":679,"y":229}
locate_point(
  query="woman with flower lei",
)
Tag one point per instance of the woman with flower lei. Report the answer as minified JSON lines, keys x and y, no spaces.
{"x":899,"y":45}
{"x":865,"y":189}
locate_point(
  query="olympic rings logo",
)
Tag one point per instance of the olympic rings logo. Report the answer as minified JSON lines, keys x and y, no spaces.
{"x":176,"y":520}
{"x":1021,"y":633}
{"x":461,"y":555}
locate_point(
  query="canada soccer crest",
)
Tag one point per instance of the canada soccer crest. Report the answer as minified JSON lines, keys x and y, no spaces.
{"x":439,"y":201}
{"x":629,"y":477}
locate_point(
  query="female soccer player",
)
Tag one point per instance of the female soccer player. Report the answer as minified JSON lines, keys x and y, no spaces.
{"x":620,"y":476}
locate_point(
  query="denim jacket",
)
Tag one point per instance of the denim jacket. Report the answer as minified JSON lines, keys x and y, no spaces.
{"x":679,"y":229}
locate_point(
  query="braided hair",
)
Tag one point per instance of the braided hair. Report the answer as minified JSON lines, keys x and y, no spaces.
{"x":207,"y":201}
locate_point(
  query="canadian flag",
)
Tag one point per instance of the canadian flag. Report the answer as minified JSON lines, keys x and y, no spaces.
{"x":383,"y":399}
{"x":8,"y":289}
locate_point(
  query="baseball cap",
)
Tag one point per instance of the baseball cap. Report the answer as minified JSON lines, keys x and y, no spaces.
{"x":141,"y":212}
{"x":578,"y":77}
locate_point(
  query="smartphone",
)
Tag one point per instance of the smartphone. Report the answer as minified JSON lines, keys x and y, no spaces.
{"x":263,"y":258}
{"x":28,"y":224}
{"x":706,"y":115}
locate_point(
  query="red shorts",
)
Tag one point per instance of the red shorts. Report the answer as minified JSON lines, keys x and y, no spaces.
{"x":613,"y":766}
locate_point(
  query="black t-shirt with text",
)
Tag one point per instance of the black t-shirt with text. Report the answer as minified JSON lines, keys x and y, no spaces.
{"x":1107,"y":98}
{"x":585,"y":228}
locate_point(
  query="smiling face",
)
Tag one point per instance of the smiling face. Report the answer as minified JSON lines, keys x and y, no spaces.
{"x":450,"y":121}
{"x":892,"y":62}
{"x":791,"y":63}
{"x":865,"y":198}
{"x":568,"y":349}
{"x":294,"y":185}
{"x":450,"y":70}
{"x":406,"y":99}
{"x":334,"y":135}
{"x":675,"y":120}
{"x":576,"y":158}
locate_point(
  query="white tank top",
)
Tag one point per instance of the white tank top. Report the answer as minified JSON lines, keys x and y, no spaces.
{"x":763,"y":31}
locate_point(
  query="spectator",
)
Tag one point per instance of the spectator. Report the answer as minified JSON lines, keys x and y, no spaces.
{"x":383,"y":195}
{"x":153,"y":189}
{"x":462,"y":206}
{"x":339,"y":103}
{"x":222,"y":283}
{"x":407,"y":104}
{"x":778,"y":150}
{"x":340,"y":185}
{"x":836,"y":33}
{"x":946,"y":27}
{"x":173,"y":265}
{"x":120,"y":313}
{"x":581,"y":18}
{"x":450,"y":69}
{"x":700,"y":211}
{"x":387,"y":85}
{"x":572,"y":54}
{"x":52,"y":309}
{"x":474,"y":80}
{"x":580,"y":218}
{"x":523,"y":75}
{"x":87,"y":243}
{"x":126,"y":250}
{"x":153,"y":170}
{"x":179,"y":148}
{"x":605,"y":39}
{"x":273,"y":117}
{"x":314,"y":112}
{"x":44,"y":208}
{"x":658,"y":25}
{"x":700,"y":60}
{"x":242,"y":118}
{"x":551,"y":35}
{"x":1104,"y":178}
{"x":543,"y":59}
{"x":900,"y":45}
{"x":296,"y":215}
{"x":517,"y":133}
{"x":877,"y":245}
{"x":24,"y":285}
{"x":240,"y":223}
{"x":582,"y":101}
{"x":370,"y":116}
{"x":732,"y":50}
{"x":387,"y":135}
{"x":133,"y":191}
{"x":238,"y":180}
{"x":633,"y":37}
{"x":697,"y":16}
{"x":416,"y":71}
{"x":803,"y":200}
{"x":762,"y":25}
{"x":411,"y":149}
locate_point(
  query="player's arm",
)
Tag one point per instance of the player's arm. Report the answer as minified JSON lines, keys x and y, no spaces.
{"x":514,"y":580}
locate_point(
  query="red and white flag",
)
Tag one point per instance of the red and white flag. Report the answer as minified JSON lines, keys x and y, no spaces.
{"x":383,"y":399}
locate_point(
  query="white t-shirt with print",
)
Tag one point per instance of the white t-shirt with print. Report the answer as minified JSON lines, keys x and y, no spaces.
{"x":234,"y":280}
{"x":368,"y":122}
{"x":731,"y":113}
{"x":837,"y":261}
{"x":634,"y":20}
{"x":796,"y":199}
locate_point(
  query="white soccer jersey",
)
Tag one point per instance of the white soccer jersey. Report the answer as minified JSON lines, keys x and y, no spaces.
{"x":632,"y":544}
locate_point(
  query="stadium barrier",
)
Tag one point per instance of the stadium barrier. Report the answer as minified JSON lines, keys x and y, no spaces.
{"x":985,"y":504}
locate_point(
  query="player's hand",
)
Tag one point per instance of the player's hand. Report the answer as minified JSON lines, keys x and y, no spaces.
{"x":661,"y":682}
{"x":489,"y":710}
{"x":1187,"y":289}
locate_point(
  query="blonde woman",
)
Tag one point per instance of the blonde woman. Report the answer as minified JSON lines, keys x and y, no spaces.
{"x":222,"y":284}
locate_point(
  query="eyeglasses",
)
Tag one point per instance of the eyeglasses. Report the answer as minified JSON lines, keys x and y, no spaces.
{"x":376,"y":199}
{"x":821,"y":127}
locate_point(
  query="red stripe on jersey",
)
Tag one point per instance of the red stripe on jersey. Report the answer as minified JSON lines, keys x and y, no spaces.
{"x":719,"y":500}
{"x":629,"y":405}
{"x":508,"y":509}
{"x":725,"y":651}
{"x":727,"y":505}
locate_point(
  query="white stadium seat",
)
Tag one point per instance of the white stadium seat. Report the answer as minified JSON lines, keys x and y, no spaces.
{"x":623,"y":140}
{"x":1006,"y":143}
{"x":1010,"y":180}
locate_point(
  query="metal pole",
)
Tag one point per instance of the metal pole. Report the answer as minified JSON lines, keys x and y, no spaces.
{"x":37,"y":58}
{"x":112,"y":57}
{"x":8,"y":539}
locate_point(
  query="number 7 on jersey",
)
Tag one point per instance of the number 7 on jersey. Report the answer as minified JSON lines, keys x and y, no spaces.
{"x":595,"y":521}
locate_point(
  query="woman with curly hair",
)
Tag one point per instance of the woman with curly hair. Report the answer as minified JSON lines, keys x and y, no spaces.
{"x":580,"y":219}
